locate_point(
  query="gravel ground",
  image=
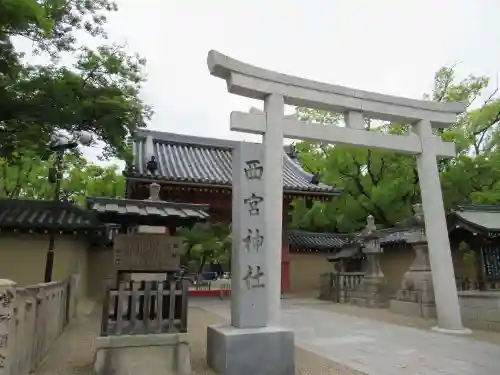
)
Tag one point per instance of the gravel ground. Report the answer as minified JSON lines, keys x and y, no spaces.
{"x":73,"y":352}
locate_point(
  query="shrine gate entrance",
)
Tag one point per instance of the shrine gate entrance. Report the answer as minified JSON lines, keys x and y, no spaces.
{"x":277,"y":89}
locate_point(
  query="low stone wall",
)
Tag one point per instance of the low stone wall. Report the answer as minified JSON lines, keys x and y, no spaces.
{"x":480,"y":309}
{"x":31,"y":318}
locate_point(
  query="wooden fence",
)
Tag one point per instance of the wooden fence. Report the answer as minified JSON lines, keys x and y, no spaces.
{"x":32,"y":320}
{"x":338,"y":286}
{"x":145,"y":307}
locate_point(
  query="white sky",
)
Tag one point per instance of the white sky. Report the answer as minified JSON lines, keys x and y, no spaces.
{"x":392,"y":47}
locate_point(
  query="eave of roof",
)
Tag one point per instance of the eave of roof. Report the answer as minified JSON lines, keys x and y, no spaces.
{"x":301,"y":240}
{"x":484,"y":218}
{"x":344,"y":253}
{"x":134,"y":207}
{"x":198,"y":160}
{"x":39,"y":214}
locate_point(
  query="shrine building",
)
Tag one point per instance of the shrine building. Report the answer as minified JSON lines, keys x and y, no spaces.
{"x":198,"y":170}
{"x":177,"y":181}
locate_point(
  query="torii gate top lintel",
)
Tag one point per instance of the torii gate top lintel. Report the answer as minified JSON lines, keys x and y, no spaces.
{"x":254,"y":82}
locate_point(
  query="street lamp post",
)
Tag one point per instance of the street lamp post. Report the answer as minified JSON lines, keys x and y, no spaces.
{"x":55,"y":176}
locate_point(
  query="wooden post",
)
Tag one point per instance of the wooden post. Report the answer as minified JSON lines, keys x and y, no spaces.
{"x":147,"y":304}
{"x":136,"y":325}
{"x":159,"y":306}
{"x":119,"y":317}
{"x":184,"y":310}
{"x":105,"y":308}
{"x":171,"y":311}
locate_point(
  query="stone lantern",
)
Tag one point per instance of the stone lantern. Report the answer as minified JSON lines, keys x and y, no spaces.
{"x":416,"y":295}
{"x":372,"y":289}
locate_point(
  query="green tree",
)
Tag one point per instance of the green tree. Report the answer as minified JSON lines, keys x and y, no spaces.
{"x":385,"y":184}
{"x":206,"y":243}
{"x":99,"y":93}
{"x":318,"y":218}
{"x":27,"y":179}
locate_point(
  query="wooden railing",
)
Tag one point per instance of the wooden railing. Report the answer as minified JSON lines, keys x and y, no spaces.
{"x":338,"y":286}
{"x":145,"y":307}
{"x":31,"y":319}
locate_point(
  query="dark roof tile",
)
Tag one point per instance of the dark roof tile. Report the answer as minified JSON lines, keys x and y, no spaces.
{"x":316,"y":241}
{"x":33,"y":214}
{"x":299,"y":240}
{"x":207,"y":160}
{"x":147,"y":208}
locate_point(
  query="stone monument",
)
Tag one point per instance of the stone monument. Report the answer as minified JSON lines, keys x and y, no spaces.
{"x":416,"y":295}
{"x":372,"y":291}
{"x":7,"y":324}
{"x":250,"y":345}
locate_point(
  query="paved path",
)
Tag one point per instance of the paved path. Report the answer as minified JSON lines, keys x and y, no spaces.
{"x":73,"y":352}
{"x":378,"y":348}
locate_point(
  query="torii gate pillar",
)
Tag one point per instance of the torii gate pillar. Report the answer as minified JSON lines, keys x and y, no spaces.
{"x":277,"y":89}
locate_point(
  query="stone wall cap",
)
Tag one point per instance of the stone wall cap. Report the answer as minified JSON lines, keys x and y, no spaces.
{"x":479,"y":294}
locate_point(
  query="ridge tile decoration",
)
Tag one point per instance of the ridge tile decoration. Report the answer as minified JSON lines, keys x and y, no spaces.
{"x":249,"y":238}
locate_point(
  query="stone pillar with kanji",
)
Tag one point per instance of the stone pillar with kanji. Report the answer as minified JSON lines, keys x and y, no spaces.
{"x":416,"y":295}
{"x":372,"y":291}
{"x":7,"y":295}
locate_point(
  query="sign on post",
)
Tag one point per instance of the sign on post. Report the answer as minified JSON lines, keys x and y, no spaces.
{"x":248,"y":295}
{"x":147,"y":252}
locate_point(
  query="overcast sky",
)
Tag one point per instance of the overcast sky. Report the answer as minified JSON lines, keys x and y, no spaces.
{"x":392,"y":47}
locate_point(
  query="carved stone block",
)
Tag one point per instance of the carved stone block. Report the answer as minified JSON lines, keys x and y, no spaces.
{"x":371,"y":292}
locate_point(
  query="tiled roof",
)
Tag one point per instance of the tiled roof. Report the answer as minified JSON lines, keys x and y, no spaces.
{"x":299,"y":240}
{"x":485,"y":217}
{"x":38,"y":214}
{"x":344,"y":253}
{"x":147,"y":208}
{"x":206,"y":161}
{"x":317,"y":241}
{"x":482,"y":217}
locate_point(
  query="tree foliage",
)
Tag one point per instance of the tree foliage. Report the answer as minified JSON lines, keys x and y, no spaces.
{"x":27,"y":179}
{"x":385,"y":184}
{"x":206,"y":243}
{"x":99,"y":93}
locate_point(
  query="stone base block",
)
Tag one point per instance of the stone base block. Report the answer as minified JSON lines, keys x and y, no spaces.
{"x":152,"y":354}
{"x":413,"y":309}
{"x":250,"y":351}
{"x":458,"y":332}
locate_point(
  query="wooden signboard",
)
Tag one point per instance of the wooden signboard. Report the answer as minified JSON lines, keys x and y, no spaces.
{"x":147,"y":252}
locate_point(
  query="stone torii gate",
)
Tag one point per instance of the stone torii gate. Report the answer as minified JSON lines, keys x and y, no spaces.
{"x":277,"y":89}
